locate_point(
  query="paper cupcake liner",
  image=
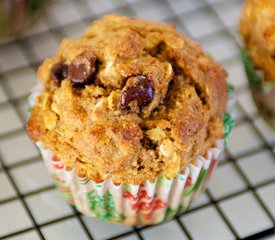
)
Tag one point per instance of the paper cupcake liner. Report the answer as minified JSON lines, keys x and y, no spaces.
{"x":128,"y":204}
{"x":147,"y":203}
{"x":263,"y":92}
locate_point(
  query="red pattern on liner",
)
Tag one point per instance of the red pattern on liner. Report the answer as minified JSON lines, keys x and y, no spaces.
{"x":57,"y":164}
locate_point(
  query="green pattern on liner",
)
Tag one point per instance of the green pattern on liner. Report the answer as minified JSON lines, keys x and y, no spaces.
{"x":230,"y":88}
{"x":267,"y":86}
{"x":169,"y":214}
{"x":58,"y":184}
{"x":228,"y":124}
{"x":180,"y":176}
{"x":103,"y":207}
{"x":181,"y":209}
{"x":128,"y":187}
{"x":200,"y":179}
{"x":164,"y":182}
{"x":29,"y":110}
{"x":84,"y":183}
{"x":188,"y":190}
{"x":34,"y":6}
{"x":252,"y":75}
{"x":67,"y":195}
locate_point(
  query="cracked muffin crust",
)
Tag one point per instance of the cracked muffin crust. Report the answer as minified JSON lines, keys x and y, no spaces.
{"x":257,"y":27}
{"x":129,"y":101}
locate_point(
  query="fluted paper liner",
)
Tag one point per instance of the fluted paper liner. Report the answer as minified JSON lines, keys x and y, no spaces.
{"x":147,"y":203}
{"x":128,"y":204}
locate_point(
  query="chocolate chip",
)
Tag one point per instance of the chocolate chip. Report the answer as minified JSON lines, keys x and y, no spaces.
{"x":83,"y":68}
{"x":59,"y":72}
{"x":138,"y":89}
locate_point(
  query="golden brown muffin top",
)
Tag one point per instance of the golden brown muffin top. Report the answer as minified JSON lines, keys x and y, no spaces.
{"x":129,"y":101}
{"x":257,"y":25}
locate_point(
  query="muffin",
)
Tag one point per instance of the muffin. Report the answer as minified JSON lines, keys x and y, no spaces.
{"x":130,"y":120}
{"x":257,"y":26}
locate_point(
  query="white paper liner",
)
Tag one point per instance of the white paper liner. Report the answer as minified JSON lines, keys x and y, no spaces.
{"x":147,"y":203}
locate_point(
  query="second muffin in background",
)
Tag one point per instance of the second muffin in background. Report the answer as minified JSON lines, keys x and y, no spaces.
{"x":257,"y":26}
{"x":131,"y":115}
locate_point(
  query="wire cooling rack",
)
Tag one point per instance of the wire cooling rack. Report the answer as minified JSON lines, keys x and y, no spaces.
{"x":240,"y":202}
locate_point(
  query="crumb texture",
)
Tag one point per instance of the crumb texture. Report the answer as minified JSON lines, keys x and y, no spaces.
{"x":257,"y":27}
{"x":130,"y":100}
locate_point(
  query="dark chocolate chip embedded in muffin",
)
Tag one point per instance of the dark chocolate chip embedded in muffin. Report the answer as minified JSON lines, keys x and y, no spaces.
{"x":82,"y":69}
{"x":139,"y":89}
{"x":59,"y":72}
